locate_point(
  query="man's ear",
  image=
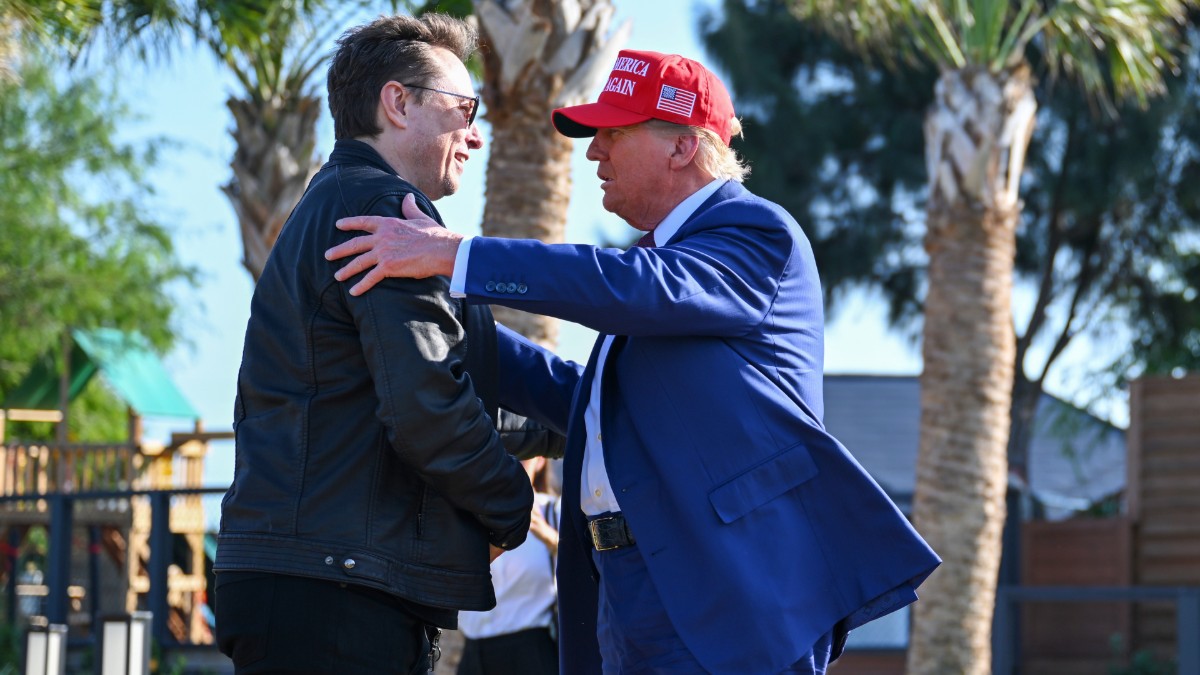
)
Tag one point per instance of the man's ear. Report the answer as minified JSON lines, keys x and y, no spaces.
{"x":394,"y":99}
{"x":684,"y":151}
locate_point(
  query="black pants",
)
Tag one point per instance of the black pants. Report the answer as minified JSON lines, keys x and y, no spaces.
{"x":527,"y":652}
{"x":275,"y":623}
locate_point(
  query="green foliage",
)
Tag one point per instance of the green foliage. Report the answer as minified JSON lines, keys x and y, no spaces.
{"x":10,"y":648}
{"x":459,"y":8}
{"x":175,"y":664}
{"x":79,"y":248}
{"x":274,"y":55}
{"x":1142,"y":663}
{"x":148,"y":27}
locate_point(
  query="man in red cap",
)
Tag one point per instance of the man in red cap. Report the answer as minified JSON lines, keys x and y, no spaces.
{"x":710,"y":522}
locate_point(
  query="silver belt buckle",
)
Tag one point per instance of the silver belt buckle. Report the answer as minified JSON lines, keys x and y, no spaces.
{"x":596,"y":534}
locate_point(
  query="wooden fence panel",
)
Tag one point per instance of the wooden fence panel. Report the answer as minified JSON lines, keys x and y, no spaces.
{"x":1074,"y":637}
{"x":1164,"y":498}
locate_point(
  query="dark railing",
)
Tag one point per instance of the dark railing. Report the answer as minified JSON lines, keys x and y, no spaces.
{"x":62,"y":506}
{"x":1006,"y":647}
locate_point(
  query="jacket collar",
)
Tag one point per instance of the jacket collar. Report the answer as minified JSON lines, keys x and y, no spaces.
{"x":730,"y":190}
{"x":350,"y":151}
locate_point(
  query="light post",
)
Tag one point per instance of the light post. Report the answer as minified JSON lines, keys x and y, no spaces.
{"x":46,"y":650}
{"x":125,"y":644}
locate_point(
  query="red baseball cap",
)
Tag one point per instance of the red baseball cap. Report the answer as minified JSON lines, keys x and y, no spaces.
{"x":650,"y":85}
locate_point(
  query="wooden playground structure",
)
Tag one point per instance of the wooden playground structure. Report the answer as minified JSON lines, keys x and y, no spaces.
{"x":95,"y":502}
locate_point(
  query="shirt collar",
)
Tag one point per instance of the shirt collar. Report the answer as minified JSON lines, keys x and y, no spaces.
{"x":684,"y":210}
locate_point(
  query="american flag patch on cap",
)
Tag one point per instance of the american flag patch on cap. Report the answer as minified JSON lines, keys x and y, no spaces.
{"x":676,"y":101}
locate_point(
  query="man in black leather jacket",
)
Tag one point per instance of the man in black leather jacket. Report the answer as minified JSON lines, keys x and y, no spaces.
{"x":371,"y":487}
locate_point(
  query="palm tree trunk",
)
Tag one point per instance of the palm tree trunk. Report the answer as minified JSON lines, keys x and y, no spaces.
{"x":976,"y":136}
{"x":529,"y":189}
{"x":272,"y":165}
{"x":539,"y":55}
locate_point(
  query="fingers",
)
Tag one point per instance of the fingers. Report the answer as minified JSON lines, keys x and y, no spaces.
{"x":356,"y":265}
{"x":365,"y":223}
{"x":366,"y":283}
{"x":349,"y":248}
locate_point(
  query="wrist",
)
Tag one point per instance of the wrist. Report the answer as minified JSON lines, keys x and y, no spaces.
{"x":449,"y":253}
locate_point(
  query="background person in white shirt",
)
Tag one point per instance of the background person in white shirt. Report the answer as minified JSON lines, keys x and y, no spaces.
{"x":517,"y":636}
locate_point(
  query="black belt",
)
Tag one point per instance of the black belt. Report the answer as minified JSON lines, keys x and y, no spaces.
{"x":609,"y":532}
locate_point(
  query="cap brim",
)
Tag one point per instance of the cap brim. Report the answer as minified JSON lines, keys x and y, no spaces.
{"x":582,"y":121}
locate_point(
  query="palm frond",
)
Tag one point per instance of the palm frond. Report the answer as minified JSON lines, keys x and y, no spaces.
{"x":1116,"y":49}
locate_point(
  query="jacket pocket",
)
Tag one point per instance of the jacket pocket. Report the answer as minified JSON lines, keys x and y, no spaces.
{"x":760,"y":484}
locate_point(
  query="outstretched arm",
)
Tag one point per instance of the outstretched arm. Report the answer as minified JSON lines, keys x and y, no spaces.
{"x":718,"y":280}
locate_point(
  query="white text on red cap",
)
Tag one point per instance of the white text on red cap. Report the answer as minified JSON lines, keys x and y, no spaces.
{"x":635,"y":66}
{"x":621,"y":85}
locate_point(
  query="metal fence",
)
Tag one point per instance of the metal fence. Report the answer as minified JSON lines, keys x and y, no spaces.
{"x":61,"y":507}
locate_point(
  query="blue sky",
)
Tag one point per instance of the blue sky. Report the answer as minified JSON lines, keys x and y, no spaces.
{"x":184,"y":101}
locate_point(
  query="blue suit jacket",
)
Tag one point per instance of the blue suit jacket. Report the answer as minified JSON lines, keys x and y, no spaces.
{"x":759,"y":530}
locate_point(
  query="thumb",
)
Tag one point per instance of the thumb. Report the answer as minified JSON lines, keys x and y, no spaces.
{"x":410,"y":209}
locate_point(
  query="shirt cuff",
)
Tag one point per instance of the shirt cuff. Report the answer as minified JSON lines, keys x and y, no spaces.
{"x":458,"y":280}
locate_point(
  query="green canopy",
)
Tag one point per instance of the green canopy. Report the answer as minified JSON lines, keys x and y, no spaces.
{"x":128,"y":365}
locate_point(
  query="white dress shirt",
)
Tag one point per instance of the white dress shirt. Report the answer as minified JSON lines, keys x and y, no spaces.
{"x":524,"y":583}
{"x":596,"y":494}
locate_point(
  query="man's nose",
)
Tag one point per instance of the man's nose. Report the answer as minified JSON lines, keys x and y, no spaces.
{"x":593,"y":152}
{"x":474,"y":137}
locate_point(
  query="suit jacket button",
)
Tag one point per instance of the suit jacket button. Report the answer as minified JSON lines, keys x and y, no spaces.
{"x":512,"y":287}
{"x":490,"y":286}
{"x":521,"y":288}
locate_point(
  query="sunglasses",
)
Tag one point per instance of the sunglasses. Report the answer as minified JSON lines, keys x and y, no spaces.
{"x":474,"y":108}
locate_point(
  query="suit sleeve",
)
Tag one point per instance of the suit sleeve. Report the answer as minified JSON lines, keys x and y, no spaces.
{"x":719,"y":280}
{"x":415,"y":348}
{"x":534,"y":381}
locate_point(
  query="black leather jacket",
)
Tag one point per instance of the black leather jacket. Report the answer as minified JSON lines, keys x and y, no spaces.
{"x":364,"y":454}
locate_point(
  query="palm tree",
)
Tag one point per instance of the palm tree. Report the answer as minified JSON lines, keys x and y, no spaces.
{"x":275,"y":117}
{"x":976,"y":135}
{"x":538,"y":55}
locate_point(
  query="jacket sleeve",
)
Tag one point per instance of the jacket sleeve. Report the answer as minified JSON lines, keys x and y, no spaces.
{"x":525,"y":438}
{"x":415,"y":348}
{"x":718,"y":280}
